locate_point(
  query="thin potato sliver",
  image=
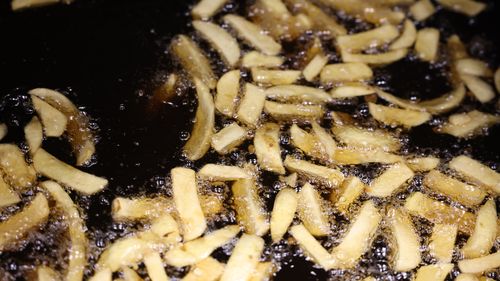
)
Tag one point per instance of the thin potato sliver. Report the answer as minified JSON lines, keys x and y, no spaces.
{"x":312,"y":247}
{"x":17,"y":173}
{"x":54,"y":122}
{"x":7,"y":196}
{"x":312,"y":212}
{"x":228,"y":138}
{"x":442,"y":242}
{"x":244,"y":259}
{"x":407,"y":38}
{"x":283,"y":212}
{"x":220,"y":39}
{"x":228,"y":88}
{"x":368,"y":39}
{"x":267,"y":148}
{"x":205,"y":9}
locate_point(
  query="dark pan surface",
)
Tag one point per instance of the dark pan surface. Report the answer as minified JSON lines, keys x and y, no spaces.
{"x":109,"y":55}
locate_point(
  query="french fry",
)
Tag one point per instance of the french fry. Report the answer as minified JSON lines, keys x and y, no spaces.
{"x":256,"y":59}
{"x":330,"y":177}
{"x":329,"y":145}
{"x":392,"y":116}
{"x":370,"y":12}
{"x":201,"y":134}
{"x":201,"y":248}
{"x":290,"y":180}
{"x":307,"y":142}
{"x":253,"y":34}
{"x":345,"y":72}
{"x":373,"y":38}
{"x":221,"y":40}
{"x":285,"y":206}
{"x":438,"y":212}
{"x":249,"y":207}
{"x":496,"y":78}
{"x":54,"y":122}
{"x":76,"y":228}
{"x":350,"y":190}
{"x":442,"y":242}
{"x":436,"y":272}
{"x":352,"y":90}
{"x":347,"y":156}
{"x":244,"y":258}
{"x":228,"y":138}
{"x":45,"y":273}
{"x":296,"y":93}
{"x":482,"y":239}
{"x":479,"y":265}
{"x":154,"y":267}
{"x":466,"y":277}
{"x":228,"y":88}
{"x":422,"y":10}
{"x":7,"y":196}
{"x":467,"y":7}
{"x":78,"y":131}
{"x":407,"y":250}
{"x":263,"y":272}
{"x":465,"y":124}
{"x":208,"y":269}
{"x":380,"y":58}
{"x":427,"y":44}
{"x":124,"y":252}
{"x":33,"y":133}
{"x":481,"y":90}
{"x":166,"y":230}
{"x":267,"y":148}
{"x":355,"y":137}
{"x":312,"y":247}
{"x":17,"y":5}
{"x":192,"y":59}
{"x":456,"y":48}
{"x":214,"y":172}
{"x":55,"y":169}
{"x":187,"y":203}
{"x":476,"y":172}
{"x":407,"y":38}
{"x":123,"y":209}
{"x":312,"y":212}
{"x":17,"y":173}
{"x":473,"y":67}
{"x":423,"y":164}
{"x":461,"y":192}
{"x":321,"y":20}
{"x":389,"y":181}
{"x":104,"y":274}
{"x":251,"y":105}
{"x":314,"y":67}
{"x":17,"y":226}
{"x":205,"y":9}
{"x":3,"y":130}
{"x":291,"y":112}
{"x":130,"y":274}
{"x":370,"y":278}
{"x":358,"y":238}
{"x":275,"y":77}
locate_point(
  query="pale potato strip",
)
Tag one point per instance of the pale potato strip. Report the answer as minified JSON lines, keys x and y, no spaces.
{"x":17,"y":173}
{"x":26,"y":4}
{"x":307,"y":142}
{"x":104,"y":274}
{"x":228,"y":138}
{"x":479,"y":265}
{"x":193,"y":60}
{"x":297,"y":93}
{"x":325,"y":139}
{"x":477,"y":172}
{"x":154,"y":267}
{"x":314,"y":67}
{"x":202,"y":247}
{"x":187,"y":203}
{"x":345,"y":72}
{"x":461,"y":192}
{"x":456,"y":48}
{"x":390,"y":180}
{"x":283,"y":212}
{"x":479,"y":88}
{"x":253,"y":34}
{"x":244,"y":258}
{"x":228,"y":88}
{"x":208,"y":269}
{"x":352,"y":90}
{"x":275,"y":77}
{"x":55,"y":169}
{"x":473,"y":67}
{"x":214,"y":172}
{"x":78,"y":131}
{"x":123,"y":209}
{"x":54,"y":122}
{"x":256,"y":59}
{"x":369,"y":278}
{"x":423,"y":164}
{"x":442,"y":242}
{"x":7,"y":196}
{"x":201,"y":134}
{"x":496,"y":78}
{"x":291,"y":112}
{"x":205,"y":9}
{"x":221,"y":40}
{"x":482,"y":239}
{"x":347,"y":156}
{"x":422,"y":9}
{"x":395,"y":116}
{"x":435,"y":272}
{"x":380,"y":58}
{"x":17,"y":226}
{"x":45,"y":273}
{"x":407,"y":38}
{"x":251,"y":105}
{"x":371,"y":12}
{"x":321,"y":20}
{"x":468,"y":7}
{"x":33,"y":133}
{"x":427,"y":44}
{"x":407,"y":255}
{"x":330,"y":177}
{"x":466,"y":277}
{"x":312,"y":247}
{"x":358,"y":238}
{"x":267,"y":148}
{"x":130,"y":274}
{"x":438,"y":212}
{"x":290,"y":180}
{"x":249,"y":207}
{"x":3,"y":130}
{"x":350,"y":190}
{"x":312,"y":212}
{"x":372,"y":38}
{"x":466,"y":124}
{"x":355,"y":137}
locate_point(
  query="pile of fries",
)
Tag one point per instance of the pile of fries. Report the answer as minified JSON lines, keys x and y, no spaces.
{"x":261,"y":99}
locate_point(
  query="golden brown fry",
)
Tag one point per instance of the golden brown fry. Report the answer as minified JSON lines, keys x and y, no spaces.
{"x":34,"y":134}
{"x":467,"y":7}
{"x":283,"y":212}
{"x":251,"y":105}
{"x":373,"y":38}
{"x":482,"y":239}
{"x":422,"y":9}
{"x":249,"y":207}
{"x":390,"y":181}
{"x":17,"y":173}
{"x":244,"y":259}
{"x":228,"y":138}
{"x":442,"y":242}
{"x":27,"y":4}
{"x":228,"y":88}
{"x":205,"y":9}
{"x":330,"y":177}
{"x":267,"y":148}
{"x":407,"y":38}
{"x":476,"y":172}
{"x":221,"y":40}
{"x":312,"y":212}
{"x":345,"y":72}
{"x":291,"y":112}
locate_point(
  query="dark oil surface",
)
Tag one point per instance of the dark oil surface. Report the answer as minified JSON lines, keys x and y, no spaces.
{"x":108,"y":57}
